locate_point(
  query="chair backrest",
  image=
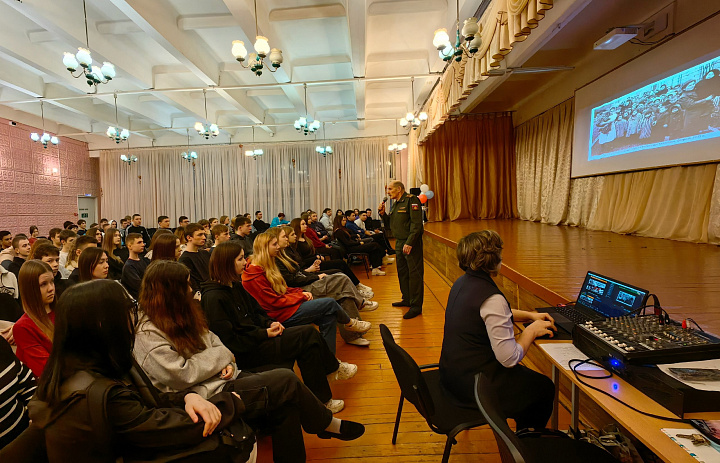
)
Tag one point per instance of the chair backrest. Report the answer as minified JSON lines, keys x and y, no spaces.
{"x":412,"y":384}
{"x":508,"y":443}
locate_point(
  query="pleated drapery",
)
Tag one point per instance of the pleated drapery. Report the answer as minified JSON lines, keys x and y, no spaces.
{"x":469,"y":164}
{"x":289,"y":178}
{"x":681,"y":203}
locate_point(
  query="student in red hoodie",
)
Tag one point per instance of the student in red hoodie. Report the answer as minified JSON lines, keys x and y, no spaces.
{"x":34,"y":331}
{"x":292,"y":306}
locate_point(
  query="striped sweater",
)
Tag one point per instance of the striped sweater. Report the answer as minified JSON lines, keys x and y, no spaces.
{"x":17,"y":386}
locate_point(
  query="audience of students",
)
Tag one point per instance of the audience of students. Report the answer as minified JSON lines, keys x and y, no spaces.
{"x":115,"y":252}
{"x":353,"y":245}
{"x":195,"y":257}
{"x":243,"y":229}
{"x":51,"y":256}
{"x":259,"y":225}
{"x":80,"y":244}
{"x":221,"y":234}
{"x":167,"y":247}
{"x":93,"y":264}
{"x":134,"y":268}
{"x":279,"y":220}
{"x":136,"y":227}
{"x":67,"y":238}
{"x":21,"y":247}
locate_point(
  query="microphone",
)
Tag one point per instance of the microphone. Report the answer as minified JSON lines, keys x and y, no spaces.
{"x":385,"y":199}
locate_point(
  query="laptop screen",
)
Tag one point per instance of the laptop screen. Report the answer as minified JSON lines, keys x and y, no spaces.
{"x":610,"y":298}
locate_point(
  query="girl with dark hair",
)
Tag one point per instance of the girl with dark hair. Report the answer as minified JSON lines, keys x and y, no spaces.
{"x":158,"y":233}
{"x":292,"y":306}
{"x":95,"y":346}
{"x":93,"y":264}
{"x":180,"y":233}
{"x":113,"y":248}
{"x":257,"y":341}
{"x":174,"y":346}
{"x":97,"y":233}
{"x":166,"y":247}
{"x":34,"y":233}
{"x":33,"y":332}
{"x":343,"y":236}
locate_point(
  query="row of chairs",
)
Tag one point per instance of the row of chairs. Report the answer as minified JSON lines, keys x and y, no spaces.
{"x":420,"y":385}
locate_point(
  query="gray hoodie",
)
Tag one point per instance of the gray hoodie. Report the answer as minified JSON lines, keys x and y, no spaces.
{"x":8,"y":283}
{"x":171,"y":372}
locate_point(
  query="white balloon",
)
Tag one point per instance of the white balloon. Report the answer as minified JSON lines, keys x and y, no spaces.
{"x":424,"y":187}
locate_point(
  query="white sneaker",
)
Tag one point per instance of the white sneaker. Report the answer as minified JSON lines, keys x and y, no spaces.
{"x":388,"y":260}
{"x":378,"y":272}
{"x":369,"y":306}
{"x":362,"y":342}
{"x":358,"y":326}
{"x":346,"y":370}
{"x":363,"y":287}
{"x":366,"y":295}
{"x":335,"y":405}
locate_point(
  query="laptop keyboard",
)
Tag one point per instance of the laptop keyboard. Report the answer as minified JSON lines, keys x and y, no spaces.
{"x":573,"y":315}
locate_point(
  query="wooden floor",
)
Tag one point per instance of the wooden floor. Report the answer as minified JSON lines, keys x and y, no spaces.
{"x":554,"y":259}
{"x":371,"y":397}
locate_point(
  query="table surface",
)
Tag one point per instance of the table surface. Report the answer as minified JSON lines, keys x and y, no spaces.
{"x":645,"y":428}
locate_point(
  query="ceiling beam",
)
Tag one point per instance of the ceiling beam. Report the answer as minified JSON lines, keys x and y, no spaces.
{"x":357,"y":24}
{"x":205,"y":21}
{"x":122,"y":27}
{"x":332,"y":10}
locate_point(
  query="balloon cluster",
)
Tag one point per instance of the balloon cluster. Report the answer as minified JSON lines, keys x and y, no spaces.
{"x":426,"y":193}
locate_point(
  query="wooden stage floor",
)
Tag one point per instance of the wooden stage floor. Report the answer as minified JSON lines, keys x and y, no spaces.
{"x":551,"y":262}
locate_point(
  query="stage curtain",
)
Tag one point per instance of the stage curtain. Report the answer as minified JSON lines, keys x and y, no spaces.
{"x":663,"y":203}
{"x":714,"y":225}
{"x":543,"y":155}
{"x":289,"y":178}
{"x":469,"y":164}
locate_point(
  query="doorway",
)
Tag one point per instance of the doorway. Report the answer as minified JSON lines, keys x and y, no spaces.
{"x":87,"y":209}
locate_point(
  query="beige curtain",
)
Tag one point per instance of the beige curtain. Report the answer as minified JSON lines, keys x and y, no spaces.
{"x":543,"y":148}
{"x":470,"y":166}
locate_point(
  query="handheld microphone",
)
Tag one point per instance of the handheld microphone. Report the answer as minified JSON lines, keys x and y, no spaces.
{"x":385,"y":199}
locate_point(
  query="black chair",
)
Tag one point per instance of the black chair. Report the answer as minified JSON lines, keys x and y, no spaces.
{"x":540,"y":446}
{"x":352,"y":257}
{"x":421,"y":386}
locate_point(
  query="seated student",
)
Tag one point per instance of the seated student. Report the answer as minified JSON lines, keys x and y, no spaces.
{"x":10,"y":309}
{"x":97,"y":234}
{"x":352,"y":245}
{"x":183,"y":221}
{"x":258,"y":224}
{"x":54,"y":236}
{"x":21,"y":246}
{"x":167,"y":248}
{"x":326,"y":220}
{"x":180,"y":233}
{"x":336,"y":286}
{"x":257,"y":341}
{"x":195,"y":257}
{"x":320,"y":246}
{"x":174,"y":346}
{"x":134,"y":268}
{"x":50,"y":255}
{"x":479,"y":337}
{"x":38,"y":242}
{"x":377,"y":235}
{"x":82,"y":227}
{"x":279,"y":220}
{"x":314,"y":222}
{"x":17,"y":386}
{"x":354,"y":230}
{"x":33,"y":332}
{"x":81,"y":243}
{"x":163,"y":223}
{"x":242,"y":234}
{"x":93,"y":264}
{"x":145,"y":424}
{"x":67,"y":238}
{"x":136,"y":227}
{"x":34,"y":233}
{"x":115,"y":252}
{"x":292,"y":306}
{"x":149,"y":248}
{"x":8,"y":253}
{"x":208,"y":235}
{"x":221,"y":234}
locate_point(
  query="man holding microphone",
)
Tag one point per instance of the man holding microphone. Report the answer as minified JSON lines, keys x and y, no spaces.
{"x":406,"y":222}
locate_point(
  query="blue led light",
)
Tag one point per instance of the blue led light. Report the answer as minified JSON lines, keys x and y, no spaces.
{"x":615,"y":386}
{"x":615,"y":363}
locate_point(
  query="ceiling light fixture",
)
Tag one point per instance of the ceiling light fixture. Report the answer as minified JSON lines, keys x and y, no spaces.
{"x":324,"y":149}
{"x":254,"y":153}
{"x":470,"y":33}
{"x":116,"y":133}
{"x":94,"y":75}
{"x":616,"y":37}
{"x":396,"y":147}
{"x":410,"y":118}
{"x":207,"y":130}
{"x":306,"y":124}
{"x":45,"y":138}
{"x":128,"y":158}
{"x":262,"y":49}
{"x":188,"y":155}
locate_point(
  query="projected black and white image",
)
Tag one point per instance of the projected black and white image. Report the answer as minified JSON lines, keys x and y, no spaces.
{"x":625,"y":298}
{"x":681,"y":108}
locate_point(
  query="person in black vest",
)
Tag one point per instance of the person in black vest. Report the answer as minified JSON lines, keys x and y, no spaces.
{"x":479,"y":337}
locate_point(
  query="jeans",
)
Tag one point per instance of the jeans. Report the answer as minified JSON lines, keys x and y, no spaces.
{"x":325,"y":313}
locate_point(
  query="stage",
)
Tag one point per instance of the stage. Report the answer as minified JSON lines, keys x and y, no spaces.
{"x":546,"y":265}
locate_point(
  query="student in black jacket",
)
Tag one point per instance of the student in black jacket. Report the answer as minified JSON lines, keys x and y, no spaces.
{"x":195,"y":257}
{"x":256,"y":341}
{"x":136,"y":227}
{"x":259,"y":224}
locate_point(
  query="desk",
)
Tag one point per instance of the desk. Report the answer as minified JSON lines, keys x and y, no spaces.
{"x":644,"y":428}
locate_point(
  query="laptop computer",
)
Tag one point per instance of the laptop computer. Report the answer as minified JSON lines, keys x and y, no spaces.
{"x":600,"y":297}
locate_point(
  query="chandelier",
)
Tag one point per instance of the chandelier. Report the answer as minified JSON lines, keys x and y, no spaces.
{"x":116,"y":133}
{"x":410,"y":118}
{"x":45,"y":138}
{"x":262,"y":50}
{"x":94,"y":75}
{"x":396,"y":147}
{"x":324,"y":149}
{"x":470,"y":33}
{"x":306,"y":124}
{"x":207,"y":130}
{"x":254,"y":153}
{"x":188,"y":155}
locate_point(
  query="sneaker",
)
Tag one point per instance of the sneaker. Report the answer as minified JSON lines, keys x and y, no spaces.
{"x":378,"y":272}
{"x":362,"y":342}
{"x":367,"y":295}
{"x":346,"y":370}
{"x":335,"y":406}
{"x":349,"y":430}
{"x":388,"y":260}
{"x":363,"y":287}
{"x":369,"y":306}
{"x":358,"y":326}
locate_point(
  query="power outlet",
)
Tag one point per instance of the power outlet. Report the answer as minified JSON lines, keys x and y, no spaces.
{"x":659,"y":25}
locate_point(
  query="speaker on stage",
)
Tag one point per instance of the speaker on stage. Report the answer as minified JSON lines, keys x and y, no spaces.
{"x":415,"y":191}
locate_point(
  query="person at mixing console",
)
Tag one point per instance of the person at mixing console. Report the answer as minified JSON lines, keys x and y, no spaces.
{"x":479,"y":338}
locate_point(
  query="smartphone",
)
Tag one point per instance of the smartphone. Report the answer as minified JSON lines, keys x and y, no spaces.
{"x":696,"y":374}
{"x":709,"y":429}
